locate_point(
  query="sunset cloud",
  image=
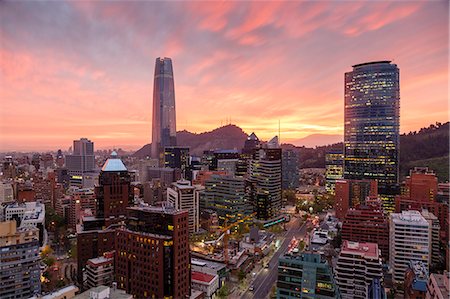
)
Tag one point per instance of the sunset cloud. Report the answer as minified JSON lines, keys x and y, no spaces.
{"x":85,"y":69}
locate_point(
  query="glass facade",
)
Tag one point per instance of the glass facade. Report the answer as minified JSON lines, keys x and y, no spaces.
{"x":372,"y":123}
{"x":164,"y":119}
{"x":334,"y":169}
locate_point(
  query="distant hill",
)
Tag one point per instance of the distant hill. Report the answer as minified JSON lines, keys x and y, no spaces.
{"x":427,"y":147}
{"x":314,"y":140}
{"x":226,"y":137}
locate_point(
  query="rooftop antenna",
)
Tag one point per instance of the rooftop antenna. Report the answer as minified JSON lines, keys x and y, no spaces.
{"x":279,"y":132}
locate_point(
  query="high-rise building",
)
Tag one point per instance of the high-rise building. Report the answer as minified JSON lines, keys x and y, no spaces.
{"x":6,"y":192}
{"x":251,"y":144}
{"x":367,"y":223}
{"x":225,"y":195}
{"x":114,"y":194}
{"x":371,"y":129}
{"x":264,"y":182}
{"x":350,"y":193}
{"x":164,"y":119}
{"x":82,"y":161}
{"x":290,"y":169}
{"x":409,"y":240}
{"x":334,"y":169}
{"x":357,"y":266}
{"x":183,"y":196}
{"x":19,"y":261}
{"x":433,"y":222}
{"x":152,"y":253}
{"x":177,"y":157}
{"x":305,"y":275}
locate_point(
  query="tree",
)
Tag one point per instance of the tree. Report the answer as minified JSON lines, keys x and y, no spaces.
{"x":241,"y":275}
{"x":223,"y":292}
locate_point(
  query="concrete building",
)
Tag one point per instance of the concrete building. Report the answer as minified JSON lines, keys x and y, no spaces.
{"x":438,"y":286}
{"x":19,"y":260}
{"x":409,"y":240}
{"x":183,"y":196}
{"x":305,"y":275}
{"x":357,"y":266}
{"x":81,"y":163}
{"x":210,"y":267}
{"x":416,"y":279}
{"x":433,"y":222}
{"x":206,"y":283}
{"x":100,"y":271}
{"x":27,"y":215}
{"x":67,"y":292}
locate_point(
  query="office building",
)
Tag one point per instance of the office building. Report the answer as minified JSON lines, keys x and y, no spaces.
{"x":438,"y":286}
{"x":350,"y":193}
{"x":357,"y":266}
{"x":166,"y":175}
{"x":371,"y":128}
{"x":409,"y":240}
{"x":82,"y":202}
{"x":305,"y":275}
{"x":416,"y":279}
{"x":114,"y":194}
{"x":210,"y":267}
{"x":152,"y":253}
{"x":433,"y":223}
{"x":81,"y":162}
{"x":183,"y":196}
{"x":367,"y":223}
{"x":19,"y":261}
{"x":250,"y":145}
{"x":290,"y":169}
{"x":334,"y":169}
{"x":100,"y":271}
{"x":164,"y":117}
{"x":225,"y":195}
{"x":9,"y":168}
{"x":264,"y":182}
{"x":177,"y":157}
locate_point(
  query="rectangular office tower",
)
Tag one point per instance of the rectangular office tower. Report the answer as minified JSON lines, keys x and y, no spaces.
{"x":152,"y":253}
{"x":81,"y":164}
{"x":264,"y":182}
{"x":371,"y":128}
{"x":164,"y":132}
{"x":290,"y":174}
{"x":181,"y":195}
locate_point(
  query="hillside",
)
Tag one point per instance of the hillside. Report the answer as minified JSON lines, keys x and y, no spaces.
{"x":226,"y":137}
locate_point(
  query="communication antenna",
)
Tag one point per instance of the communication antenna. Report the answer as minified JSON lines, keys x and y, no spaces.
{"x":279,"y":132}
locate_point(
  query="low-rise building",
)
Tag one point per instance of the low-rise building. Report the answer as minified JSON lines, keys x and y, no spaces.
{"x":100,"y":270}
{"x":104,"y":292}
{"x":210,"y":267}
{"x":207,"y":283}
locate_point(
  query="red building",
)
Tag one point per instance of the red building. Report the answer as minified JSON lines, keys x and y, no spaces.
{"x":152,"y":253}
{"x":80,"y":201}
{"x":350,"y":193}
{"x":421,"y":184}
{"x":114,"y":194}
{"x":367,"y":223}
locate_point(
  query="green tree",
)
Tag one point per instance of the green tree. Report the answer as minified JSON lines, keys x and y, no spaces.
{"x":241,"y":275}
{"x":223,"y":292}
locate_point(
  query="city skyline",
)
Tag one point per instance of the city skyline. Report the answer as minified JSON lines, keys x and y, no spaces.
{"x":87,"y":70}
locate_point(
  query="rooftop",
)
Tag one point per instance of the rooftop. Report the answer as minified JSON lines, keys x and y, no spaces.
{"x":207,"y":264}
{"x":372,"y":63}
{"x":363,"y":249}
{"x":409,"y":217}
{"x":61,"y":292}
{"x":202,"y":277}
{"x":103,"y":292}
{"x":114,"y":164}
{"x":100,"y":260}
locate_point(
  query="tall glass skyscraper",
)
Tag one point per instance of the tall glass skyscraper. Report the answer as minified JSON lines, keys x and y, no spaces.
{"x":372,"y":123}
{"x":164,"y":119}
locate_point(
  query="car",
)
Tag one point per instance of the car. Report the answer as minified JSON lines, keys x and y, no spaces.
{"x":251,"y":288}
{"x":266,"y":265}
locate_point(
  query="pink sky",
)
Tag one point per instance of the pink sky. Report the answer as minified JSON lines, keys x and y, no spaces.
{"x":85,"y":69}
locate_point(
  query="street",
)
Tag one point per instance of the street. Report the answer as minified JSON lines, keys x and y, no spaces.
{"x":266,"y":277}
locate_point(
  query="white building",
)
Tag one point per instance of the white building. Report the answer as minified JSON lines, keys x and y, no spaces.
{"x":30,"y":214}
{"x":100,"y":271}
{"x":357,"y":265}
{"x":409,"y":240}
{"x":183,"y":196}
{"x":207,"y":283}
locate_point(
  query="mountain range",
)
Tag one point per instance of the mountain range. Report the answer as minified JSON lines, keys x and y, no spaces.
{"x":427,"y":147}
